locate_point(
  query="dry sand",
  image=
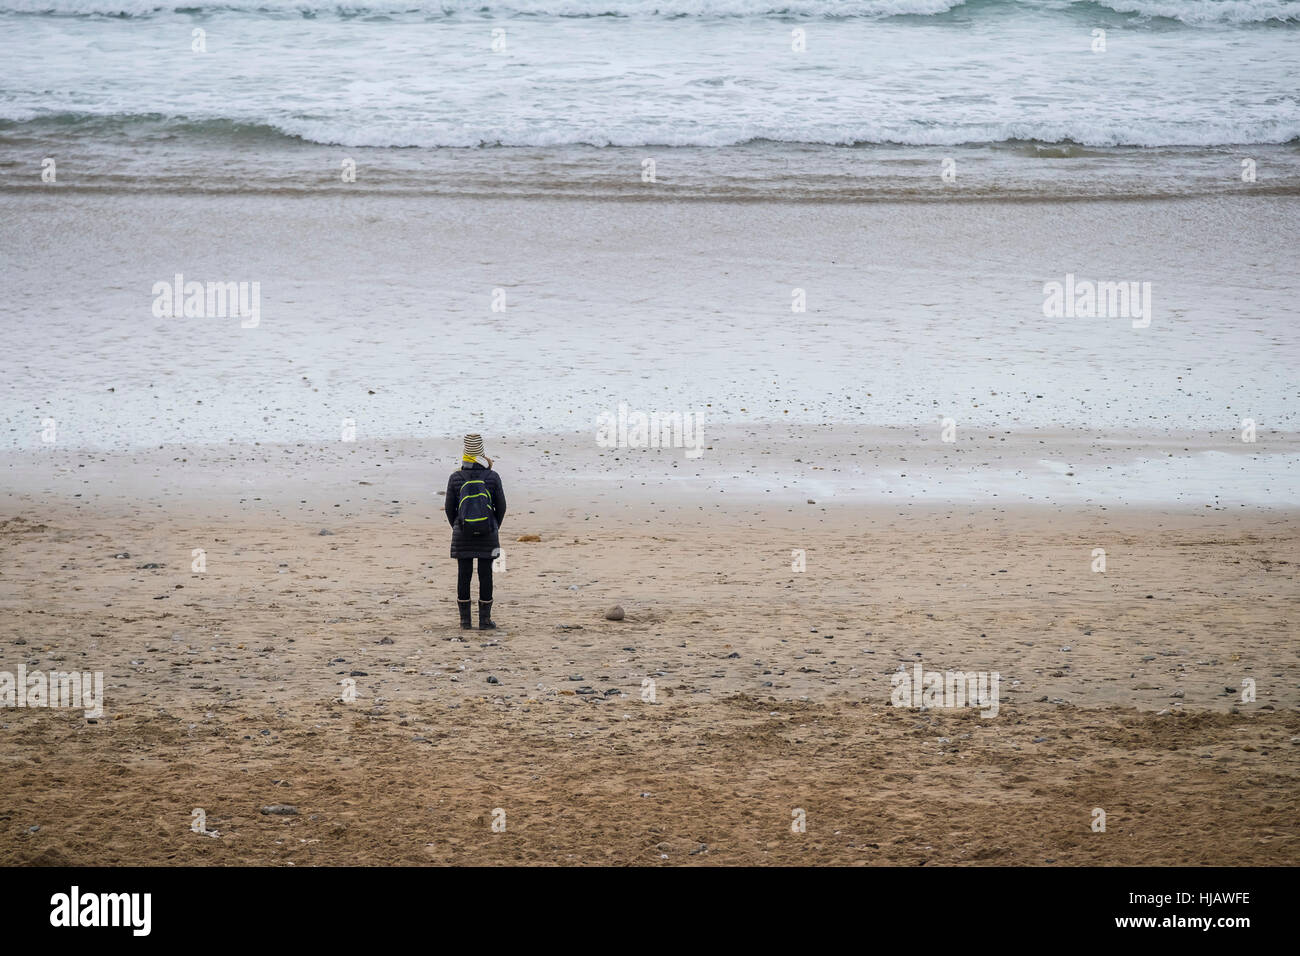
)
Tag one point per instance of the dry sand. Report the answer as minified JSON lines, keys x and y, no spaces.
{"x":772,"y":686}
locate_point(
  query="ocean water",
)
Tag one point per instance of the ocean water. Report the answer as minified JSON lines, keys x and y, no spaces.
{"x":224,"y":165}
{"x":834,"y":100}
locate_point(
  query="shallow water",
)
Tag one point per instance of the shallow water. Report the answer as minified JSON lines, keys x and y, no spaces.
{"x":580,"y":94}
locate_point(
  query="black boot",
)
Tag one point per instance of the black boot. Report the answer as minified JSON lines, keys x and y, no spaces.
{"x":485,"y":622}
{"x":465,"y":621}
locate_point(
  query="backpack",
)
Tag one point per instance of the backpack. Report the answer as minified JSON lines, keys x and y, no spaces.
{"x":474,"y":513}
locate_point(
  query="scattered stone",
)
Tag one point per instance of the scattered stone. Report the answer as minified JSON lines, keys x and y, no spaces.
{"x":385,"y":640}
{"x":492,"y":680}
{"x":280,"y":810}
{"x":529,"y":537}
{"x":122,"y":554}
{"x":151,"y":566}
{"x":614,"y":614}
{"x":325,"y":531}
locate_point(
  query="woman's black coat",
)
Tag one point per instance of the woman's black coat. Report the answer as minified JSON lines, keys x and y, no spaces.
{"x":467,"y":545}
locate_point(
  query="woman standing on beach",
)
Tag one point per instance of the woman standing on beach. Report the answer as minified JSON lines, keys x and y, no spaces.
{"x":475,"y":506}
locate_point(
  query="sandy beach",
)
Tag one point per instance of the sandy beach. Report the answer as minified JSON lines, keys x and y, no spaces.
{"x":1163,"y":690}
{"x":1120,"y":690}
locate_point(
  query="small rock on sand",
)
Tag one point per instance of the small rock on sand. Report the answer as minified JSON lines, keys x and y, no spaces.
{"x":615,"y":613}
{"x":529,"y":537}
{"x":280,"y":810}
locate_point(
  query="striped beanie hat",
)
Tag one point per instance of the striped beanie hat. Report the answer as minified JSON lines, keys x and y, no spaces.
{"x":473,"y":448}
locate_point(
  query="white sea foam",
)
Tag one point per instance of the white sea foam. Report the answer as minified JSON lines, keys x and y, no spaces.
{"x":1192,"y":12}
{"x":919,"y":81}
{"x":1197,"y":12}
{"x":1274,"y":124}
{"x":832,"y":9}
{"x":1281,"y":128}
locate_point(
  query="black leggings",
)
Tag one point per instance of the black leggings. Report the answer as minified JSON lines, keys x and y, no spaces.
{"x":484,"y":579}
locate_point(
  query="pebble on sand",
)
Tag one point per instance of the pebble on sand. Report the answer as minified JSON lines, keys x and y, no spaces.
{"x":280,"y":810}
{"x":615,"y":613}
{"x":529,"y":537}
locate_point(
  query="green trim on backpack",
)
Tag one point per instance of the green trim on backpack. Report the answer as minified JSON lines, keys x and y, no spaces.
{"x":476,"y":514}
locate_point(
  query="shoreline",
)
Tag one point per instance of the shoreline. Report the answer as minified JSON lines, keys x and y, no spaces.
{"x":768,"y":465}
{"x":1255,"y":191}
